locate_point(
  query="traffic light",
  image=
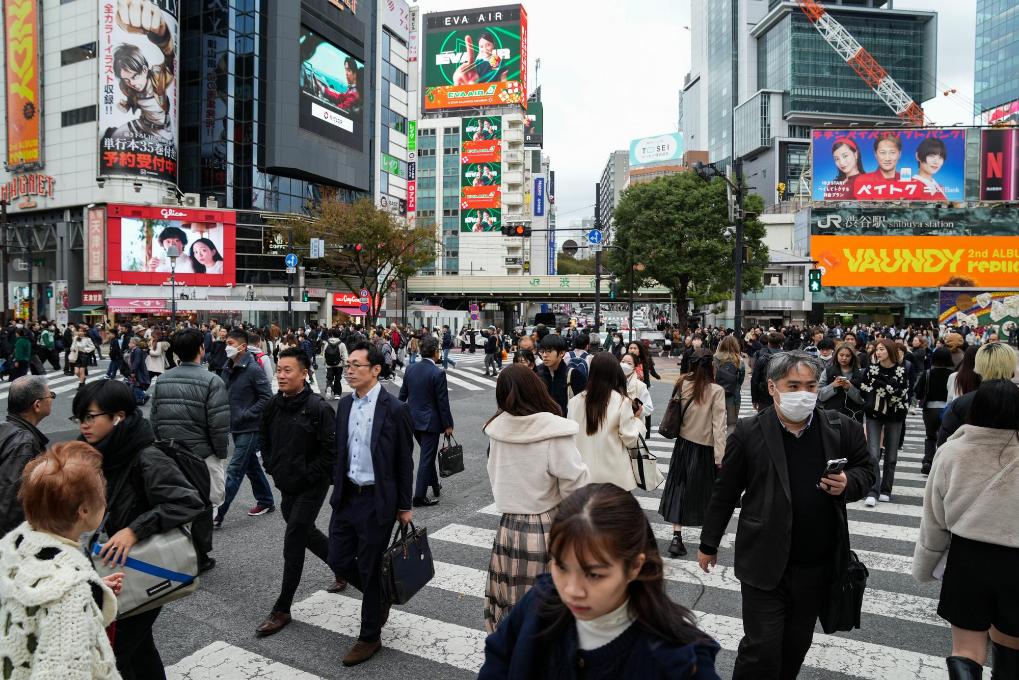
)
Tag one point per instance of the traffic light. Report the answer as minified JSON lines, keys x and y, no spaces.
{"x":516,"y":230}
{"x":814,"y":281}
{"x":781,"y":189}
{"x":613,"y":288}
{"x":304,"y":296}
{"x":355,"y":247}
{"x":49,"y":291}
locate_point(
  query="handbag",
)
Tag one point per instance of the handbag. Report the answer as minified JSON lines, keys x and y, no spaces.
{"x":841,"y":609}
{"x":406,"y":565}
{"x":672,"y":420}
{"x":645,"y":466}
{"x":161,"y":569}
{"x":451,"y":457}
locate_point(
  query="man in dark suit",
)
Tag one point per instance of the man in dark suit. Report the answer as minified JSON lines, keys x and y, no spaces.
{"x":425,"y":392}
{"x":792,"y":521}
{"x":371,"y":489}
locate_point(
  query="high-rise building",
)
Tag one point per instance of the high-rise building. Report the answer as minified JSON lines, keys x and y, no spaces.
{"x":995,"y":88}
{"x":762,"y":77}
{"x":393,"y":107}
{"x":613,"y":181}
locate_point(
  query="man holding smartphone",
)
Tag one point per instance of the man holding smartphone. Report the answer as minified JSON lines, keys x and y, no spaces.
{"x":785,"y":462}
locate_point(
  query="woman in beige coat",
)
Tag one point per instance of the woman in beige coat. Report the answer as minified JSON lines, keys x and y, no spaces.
{"x":533,"y":463}
{"x":609,"y":424}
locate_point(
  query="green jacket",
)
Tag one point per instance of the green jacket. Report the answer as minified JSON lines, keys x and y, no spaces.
{"x":23,"y":349}
{"x":46,"y":339}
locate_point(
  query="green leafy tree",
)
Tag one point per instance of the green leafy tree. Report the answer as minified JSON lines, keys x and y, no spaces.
{"x":568,"y":264}
{"x":675,"y":227}
{"x":365,"y":247}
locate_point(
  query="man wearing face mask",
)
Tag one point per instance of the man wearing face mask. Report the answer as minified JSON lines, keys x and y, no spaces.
{"x":793,"y":515}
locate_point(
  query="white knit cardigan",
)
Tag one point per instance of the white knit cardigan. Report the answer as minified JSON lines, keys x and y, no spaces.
{"x":51,"y":626}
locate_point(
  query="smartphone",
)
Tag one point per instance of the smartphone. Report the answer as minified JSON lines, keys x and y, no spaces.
{"x":637,"y":403}
{"x":835,"y":466}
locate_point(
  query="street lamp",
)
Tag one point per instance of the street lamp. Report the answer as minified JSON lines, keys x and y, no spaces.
{"x":706,"y":172}
{"x":173,"y":252}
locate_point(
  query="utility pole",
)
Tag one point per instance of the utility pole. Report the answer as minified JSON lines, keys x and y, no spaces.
{"x":290,"y":282}
{"x":737,"y":320}
{"x":630,"y":261}
{"x":31,"y":293}
{"x":597,"y":260}
{"x":3,"y":259}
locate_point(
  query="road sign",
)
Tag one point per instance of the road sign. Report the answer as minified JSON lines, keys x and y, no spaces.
{"x":291,"y":270}
{"x":364,"y":293}
{"x":570,"y":247}
{"x":364,"y":307}
{"x":594,"y":236}
{"x":317,"y":248}
{"x":290,"y":260}
{"x":596,"y":248}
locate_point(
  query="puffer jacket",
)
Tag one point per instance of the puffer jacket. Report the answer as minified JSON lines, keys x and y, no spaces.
{"x":155,"y":497}
{"x":249,"y":392}
{"x":298,"y":441}
{"x":190,"y":405}
{"x":20,"y":442}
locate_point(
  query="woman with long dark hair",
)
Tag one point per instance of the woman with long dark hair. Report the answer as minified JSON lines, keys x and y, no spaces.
{"x":604,"y":609}
{"x":533,"y":463}
{"x":849,"y":162}
{"x":932,"y":392}
{"x":840,"y":384}
{"x":965,"y":379}
{"x":205,"y":257}
{"x":698,"y":451}
{"x":610,"y":423}
{"x":645,"y":370}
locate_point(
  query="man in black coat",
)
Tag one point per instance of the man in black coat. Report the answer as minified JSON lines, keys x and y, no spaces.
{"x":29,"y":401}
{"x":425,"y":391}
{"x":563,"y":382}
{"x":372,"y":489}
{"x":792,"y":525}
{"x":298,"y":444}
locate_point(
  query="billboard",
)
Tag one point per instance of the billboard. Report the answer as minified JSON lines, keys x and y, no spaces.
{"x":481,"y":220}
{"x":926,"y":164}
{"x":978,"y":307}
{"x":667,"y":148}
{"x":332,"y":87}
{"x":24,"y":131}
{"x":999,"y":164}
{"x":475,"y":58}
{"x":534,"y":125}
{"x":917,"y":261}
{"x":396,"y":16}
{"x":539,"y":196}
{"x":138,"y":239}
{"x":996,"y":220}
{"x":138,"y":104}
{"x":480,"y":185}
{"x":1006,"y":113}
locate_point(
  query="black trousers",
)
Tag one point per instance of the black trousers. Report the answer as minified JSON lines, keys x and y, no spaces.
{"x":427,"y":474}
{"x":778,"y":625}
{"x":334,"y":378}
{"x":135,"y":650}
{"x":931,"y":423}
{"x":356,"y":544}
{"x":299,"y":512}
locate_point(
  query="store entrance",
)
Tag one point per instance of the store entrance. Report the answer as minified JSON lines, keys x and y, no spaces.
{"x":849,"y":315}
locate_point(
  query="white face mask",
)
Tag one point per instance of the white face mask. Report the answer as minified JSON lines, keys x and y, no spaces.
{"x":797,"y":406}
{"x":627,"y":369}
{"x":231,"y":351}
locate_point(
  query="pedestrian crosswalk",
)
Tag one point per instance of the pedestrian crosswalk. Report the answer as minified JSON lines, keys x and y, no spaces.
{"x":59,"y":382}
{"x":441,"y":629}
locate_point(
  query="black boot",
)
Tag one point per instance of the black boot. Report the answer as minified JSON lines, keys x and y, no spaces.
{"x":1005,"y":664}
{"x":961,"y":668}
{"x":676,"y":548}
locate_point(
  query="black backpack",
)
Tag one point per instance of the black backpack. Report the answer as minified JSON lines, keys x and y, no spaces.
{"x":332,"y":354}
{"x":727,"y":376}
{"x":759,"y":379}
{"x":196,"y":472}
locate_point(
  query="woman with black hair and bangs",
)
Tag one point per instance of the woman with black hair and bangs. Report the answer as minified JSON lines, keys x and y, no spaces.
{"x":603,"y":612}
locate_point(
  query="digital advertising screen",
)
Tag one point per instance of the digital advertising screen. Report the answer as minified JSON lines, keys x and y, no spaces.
{"x":999,"y":164}
{"x":138,"y":103}
{"x":481,"y":220}
{"x":139,"y":239}
{"x":480,"y":185}
{"x":332,"y":91}
{"x":534,"y":125}
{"x":475,"y":57}
{"x":480,"y":172}
{"x":927,"y":164}
{"x":21,"y":80}
{"x":978,"y":307}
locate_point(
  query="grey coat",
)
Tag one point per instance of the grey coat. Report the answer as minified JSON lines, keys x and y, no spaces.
{"x":190,"y":405}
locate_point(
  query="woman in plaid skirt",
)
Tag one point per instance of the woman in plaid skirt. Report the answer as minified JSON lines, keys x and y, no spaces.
{"x":533,"y":463}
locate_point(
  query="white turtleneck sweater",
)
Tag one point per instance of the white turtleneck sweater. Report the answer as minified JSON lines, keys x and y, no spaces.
{"x":604,"y":629}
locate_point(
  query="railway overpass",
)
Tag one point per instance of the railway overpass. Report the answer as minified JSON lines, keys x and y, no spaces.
{"x":454,"y":290}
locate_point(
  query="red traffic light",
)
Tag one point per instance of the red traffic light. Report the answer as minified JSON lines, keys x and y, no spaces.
{"x":518,"y":230}
{"x":358,"y":247}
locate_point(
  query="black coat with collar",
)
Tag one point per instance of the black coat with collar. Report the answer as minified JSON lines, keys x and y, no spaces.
{"x":755,"y":466}
{"x":392,"y":448}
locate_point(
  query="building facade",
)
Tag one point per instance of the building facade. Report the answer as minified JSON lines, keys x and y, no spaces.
{"x":995,"y":89}
{"x":614,"y":178}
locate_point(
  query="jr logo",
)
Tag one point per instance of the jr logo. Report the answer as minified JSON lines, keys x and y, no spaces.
{"x":830,"y":222}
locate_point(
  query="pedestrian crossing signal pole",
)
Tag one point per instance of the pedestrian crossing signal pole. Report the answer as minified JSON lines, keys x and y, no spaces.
{"x":814,"y":281}
{"x":597,"y":260}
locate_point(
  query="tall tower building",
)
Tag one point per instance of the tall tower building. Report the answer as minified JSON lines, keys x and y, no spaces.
{"x":995,"y":88}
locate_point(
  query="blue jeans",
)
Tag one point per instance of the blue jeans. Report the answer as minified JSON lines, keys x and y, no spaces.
{"x":412,"y":357}
{"x":446,"y":360}
{"x":113,"y":368}
{"x":245,"y":462}
{"x":884,"y":476}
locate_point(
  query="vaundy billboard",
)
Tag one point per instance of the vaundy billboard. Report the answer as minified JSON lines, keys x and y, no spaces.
{"x":475,"y":57}
{"x":138,"y":104}
{"x":24,"y":131}
{"x":926,"y":164}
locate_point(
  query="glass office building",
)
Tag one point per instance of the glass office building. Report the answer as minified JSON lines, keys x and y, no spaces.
{"x":722,"y":63}
{"x":997,"y":54}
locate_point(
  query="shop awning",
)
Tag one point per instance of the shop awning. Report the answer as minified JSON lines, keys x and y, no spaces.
{"x":87,"y":309}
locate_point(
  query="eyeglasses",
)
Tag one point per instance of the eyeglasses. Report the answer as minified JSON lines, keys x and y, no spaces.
{"x":51,"y":395}
{"x":356,"y":366}
{"x":88,"y":418}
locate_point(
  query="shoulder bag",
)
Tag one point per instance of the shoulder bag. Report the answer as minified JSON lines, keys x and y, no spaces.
{"x":159,"y":570}
{"x":406,"y":565}
{"x":451,"y":457}
{"x":672,"y":420}
{"x":645,"y":466}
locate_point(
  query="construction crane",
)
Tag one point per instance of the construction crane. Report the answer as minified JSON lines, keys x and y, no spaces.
{"x":865,"y":65}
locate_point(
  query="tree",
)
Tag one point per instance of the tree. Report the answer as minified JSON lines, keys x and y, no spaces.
{"x":676,"y":227}
{"x":568,"y":264}
{"x":365,"y":247}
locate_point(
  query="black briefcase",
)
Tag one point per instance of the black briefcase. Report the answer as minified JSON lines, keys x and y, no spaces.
{"x":451,"y":457}
{"x":841,"y":610}
{"x":407,"y":564}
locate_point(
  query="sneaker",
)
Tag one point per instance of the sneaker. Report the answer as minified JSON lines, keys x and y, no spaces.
{"x":870,"y":502}
{"x":218,"y":522}
{"x":676,"y":548}
{"x":884,"y":498}
{"x":261,"y":510}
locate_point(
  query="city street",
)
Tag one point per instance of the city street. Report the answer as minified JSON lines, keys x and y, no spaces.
{"x":439,"y":634}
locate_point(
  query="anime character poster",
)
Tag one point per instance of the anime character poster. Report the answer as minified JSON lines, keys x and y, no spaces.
{"x":138,"y":104}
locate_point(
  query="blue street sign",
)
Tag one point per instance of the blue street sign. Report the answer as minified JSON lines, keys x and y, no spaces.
{"x":594,"y":237}
{"x":290,"y":260}
{"x":364,"y":308}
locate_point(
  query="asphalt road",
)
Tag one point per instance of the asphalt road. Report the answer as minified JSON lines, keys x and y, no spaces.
{"x":439,"y":634}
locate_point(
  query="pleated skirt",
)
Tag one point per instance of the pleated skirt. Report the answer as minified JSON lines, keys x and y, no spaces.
{"x":519,"y":556}
{"x":688,"y":485}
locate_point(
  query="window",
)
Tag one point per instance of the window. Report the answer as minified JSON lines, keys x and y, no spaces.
{"x":85,"y":114}
{"x":73,"y":55}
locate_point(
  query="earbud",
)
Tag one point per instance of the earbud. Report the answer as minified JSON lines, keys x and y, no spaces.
{"x":116,"y":421}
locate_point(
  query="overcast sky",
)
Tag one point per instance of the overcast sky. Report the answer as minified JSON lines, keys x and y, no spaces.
{"x":611,"y":72}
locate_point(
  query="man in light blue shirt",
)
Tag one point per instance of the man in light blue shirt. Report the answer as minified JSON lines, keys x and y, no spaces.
{"x":359,"y":434}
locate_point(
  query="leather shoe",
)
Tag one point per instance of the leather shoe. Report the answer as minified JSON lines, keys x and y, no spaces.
{"x":676,"y":548}
{"x":338,"y":587}
{"x":424,"y":502}
{"x":437,"y":490}
{"x":206,"y":565}
{"x":361,"y":652}
{"x":273,"y":624}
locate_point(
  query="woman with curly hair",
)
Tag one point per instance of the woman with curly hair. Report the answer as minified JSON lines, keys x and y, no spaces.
{"x":886,"y":391}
